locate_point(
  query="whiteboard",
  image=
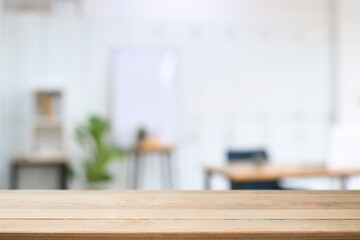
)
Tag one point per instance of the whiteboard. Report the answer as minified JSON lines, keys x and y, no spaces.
{"x":144,"y":93}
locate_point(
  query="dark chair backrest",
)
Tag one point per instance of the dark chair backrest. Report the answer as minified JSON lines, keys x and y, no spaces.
{"x":250,"y":155}
{"x":234,"y":156}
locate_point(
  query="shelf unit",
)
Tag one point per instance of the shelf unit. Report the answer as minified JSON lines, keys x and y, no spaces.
{"x":46,"y":123}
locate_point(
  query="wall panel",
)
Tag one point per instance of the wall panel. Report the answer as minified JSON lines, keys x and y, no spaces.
{"x":261,"y":79}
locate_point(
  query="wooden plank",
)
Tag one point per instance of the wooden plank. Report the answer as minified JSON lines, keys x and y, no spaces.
{"x":246,"y":173}
{"x":179,"y":200}
{"x":179,"y":229}
{"x":182,"y":236}
{"x":179,"y":214}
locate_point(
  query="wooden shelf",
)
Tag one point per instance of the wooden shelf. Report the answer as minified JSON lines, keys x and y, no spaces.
{"x":48,"y":125}
{"x":47,"y":121}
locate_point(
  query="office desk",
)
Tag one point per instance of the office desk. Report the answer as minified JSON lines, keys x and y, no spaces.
{"x":245,"y":173}
{"x":179,"y":215}
{"x":33,"y":160}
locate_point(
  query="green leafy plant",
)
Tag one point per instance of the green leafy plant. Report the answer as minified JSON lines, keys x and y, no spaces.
{"x":93,"y":137}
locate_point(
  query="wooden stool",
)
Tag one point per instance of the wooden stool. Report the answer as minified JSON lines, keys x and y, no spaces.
{"x":165,"y":153}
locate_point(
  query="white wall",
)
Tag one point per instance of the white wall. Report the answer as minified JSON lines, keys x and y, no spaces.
{"x":2,"y":75}
{"x":348,"y":98}
{"x":348,"y":80}
{"x":252,"y":73}
{"x":209,"y":11}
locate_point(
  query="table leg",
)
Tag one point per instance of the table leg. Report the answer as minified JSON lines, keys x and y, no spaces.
{"x":175,"y":171}
{"x":14,"y":176}
{"x":129,"y":173}
{"x":208,"y":175}
{"x":63,"y":176}
{"x":343,"y":182}
{"x":136,"y":171}
{"x":164,"y":170}
{"x":169,"y":170}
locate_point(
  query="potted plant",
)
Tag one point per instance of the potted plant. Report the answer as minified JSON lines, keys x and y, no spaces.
{"x":93,"y":137}
{"x":142,"y":134}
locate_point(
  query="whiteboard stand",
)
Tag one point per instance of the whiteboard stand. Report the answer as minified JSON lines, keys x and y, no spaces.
{"x":145,"y":93}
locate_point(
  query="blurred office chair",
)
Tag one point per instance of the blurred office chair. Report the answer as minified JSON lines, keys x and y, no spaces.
{"x":251,"y":156}
{"x":344,"y":151}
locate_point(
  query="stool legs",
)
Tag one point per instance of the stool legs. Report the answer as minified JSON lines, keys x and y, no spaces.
{"x":166,"y":169}
{"x":168,"y":164}
{"x":136,"y":170}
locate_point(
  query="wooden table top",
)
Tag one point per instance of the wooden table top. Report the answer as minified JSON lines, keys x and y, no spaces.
{"x":39,"y":159}
{"x":247,"y":173}
{"x":153,"y":149}
{"x":179,"y":215}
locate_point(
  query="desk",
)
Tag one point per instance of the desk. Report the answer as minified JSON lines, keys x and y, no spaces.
{"x":38,"y":161}
{"x":202,"y":215}
{"x":245,"y":173}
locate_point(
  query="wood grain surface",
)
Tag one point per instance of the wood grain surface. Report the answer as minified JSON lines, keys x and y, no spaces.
{"x":36,"y":159}
{"x":179,"y":214}
{"x":246,"y":173}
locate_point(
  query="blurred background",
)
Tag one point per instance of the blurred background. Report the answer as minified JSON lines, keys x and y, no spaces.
{"x":145,"y":94}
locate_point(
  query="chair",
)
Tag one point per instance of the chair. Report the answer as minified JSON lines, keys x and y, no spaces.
{"x":251,"y":156}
